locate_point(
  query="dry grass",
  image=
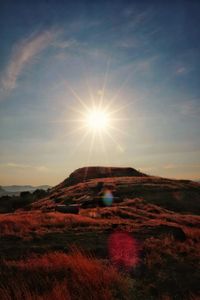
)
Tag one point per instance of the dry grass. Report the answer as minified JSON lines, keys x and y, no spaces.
{"x":172,"y":268}
{"x":24,"y":223}
{"x":169,"y":249}
{"x":170,"y":194}
{"x":61,"y":276}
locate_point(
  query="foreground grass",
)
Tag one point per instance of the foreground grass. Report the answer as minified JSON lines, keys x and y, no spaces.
{"x":60,"y":276}
{"x":37,"y":263}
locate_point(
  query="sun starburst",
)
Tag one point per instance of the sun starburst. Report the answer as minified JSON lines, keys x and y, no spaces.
{"x":99,"y":121}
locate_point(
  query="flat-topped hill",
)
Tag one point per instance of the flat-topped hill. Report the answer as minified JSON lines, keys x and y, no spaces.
{"x":85,"y":186}
{"x":86,"y":173}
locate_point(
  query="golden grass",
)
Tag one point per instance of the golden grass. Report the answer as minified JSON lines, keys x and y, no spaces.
{"x":23,"y":223}
{"x":59,"y":276}
{"x":169,"y":265}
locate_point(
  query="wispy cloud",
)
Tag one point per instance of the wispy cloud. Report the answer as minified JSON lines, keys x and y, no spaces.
{"x":128,"y":42}
{"x":22,"y":54}
{"x":169,"y":166}
{"x":180,"y":166}
{"x":13,"y":165}
{"x":181,"y":70}
{"x":148,"y":169}
{"x":191,"y":107}
{"x":66,"y":44}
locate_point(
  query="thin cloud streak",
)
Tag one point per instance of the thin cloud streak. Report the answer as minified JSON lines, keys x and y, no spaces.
{"x":191,"y":107}
{"x":25,"y":166}
{"x":178,"y":166}
{"x":22,"y":54}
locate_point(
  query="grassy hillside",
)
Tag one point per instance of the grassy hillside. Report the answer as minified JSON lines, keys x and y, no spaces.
{"x":175,"y":195}
{"x":144,"y":245}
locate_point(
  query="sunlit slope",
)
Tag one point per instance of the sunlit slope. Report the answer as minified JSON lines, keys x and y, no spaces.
{"x":124,"y":184}
{"x":158,"y":216}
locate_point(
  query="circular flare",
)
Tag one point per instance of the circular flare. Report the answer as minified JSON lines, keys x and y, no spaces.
{"x":123,"y":250}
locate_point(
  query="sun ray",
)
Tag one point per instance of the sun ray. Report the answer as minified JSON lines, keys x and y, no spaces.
{"x":119,"y":119}
{"x":77,"y":96}
{"x":80,"y":143}
{"x":103,"y":148}
{"x":104,"y":84}
{"x":67,"y":121}
{"x":119,"y":130}
{"x":122,"y":107}
{"x":79,"y":111}
{"x":91,"y":146}
{"x":89,"y":153}
{"x":90,"y":92}
{"x":81,"y":128}
{"x":112,"y":138}
{"x":117,"y":94}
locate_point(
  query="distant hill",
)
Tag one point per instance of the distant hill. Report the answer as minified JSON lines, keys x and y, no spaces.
{"x":2,"y":191}
{"x":16,"y":189}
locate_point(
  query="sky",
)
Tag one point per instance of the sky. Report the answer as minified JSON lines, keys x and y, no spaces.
{"x":138,"y":59}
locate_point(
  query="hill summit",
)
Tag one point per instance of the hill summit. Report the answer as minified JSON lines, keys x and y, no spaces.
{"x":85,"y":186}
{"x":86,"y":173}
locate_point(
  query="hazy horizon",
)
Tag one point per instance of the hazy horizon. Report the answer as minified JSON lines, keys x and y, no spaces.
{"x":138,"y":61}
{"x":20,"y":183}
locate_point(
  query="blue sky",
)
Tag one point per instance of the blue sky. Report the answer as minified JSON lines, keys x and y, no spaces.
{"x":144,"y":54}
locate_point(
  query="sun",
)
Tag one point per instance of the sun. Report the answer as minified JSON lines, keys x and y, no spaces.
{"x":97,"y":120}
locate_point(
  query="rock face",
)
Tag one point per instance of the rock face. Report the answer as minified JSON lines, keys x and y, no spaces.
{"x":86,"y":173}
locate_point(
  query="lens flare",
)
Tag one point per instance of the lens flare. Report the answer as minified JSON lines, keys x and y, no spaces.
{"x":123,"y":250}
{"x":108,"y":198}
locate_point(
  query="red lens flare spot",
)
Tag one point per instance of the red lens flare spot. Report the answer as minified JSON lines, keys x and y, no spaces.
{"x":123,"y":250}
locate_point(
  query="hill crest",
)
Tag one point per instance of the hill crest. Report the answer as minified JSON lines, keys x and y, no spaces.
{"x":94,"y":172}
